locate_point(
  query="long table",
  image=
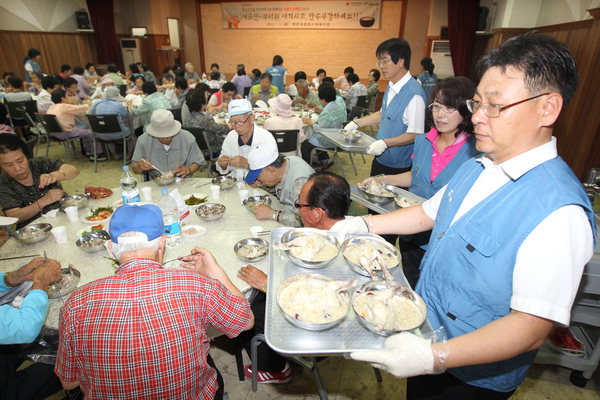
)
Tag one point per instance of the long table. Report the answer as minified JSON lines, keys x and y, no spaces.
{"x":220,"y":237}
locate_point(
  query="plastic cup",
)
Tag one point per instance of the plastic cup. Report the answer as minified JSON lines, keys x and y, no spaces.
{"x":147,"y":194}
{"x":255,"y":230}
{"x":243,"y":195}
{"x":72,"y":213}
{"x":60,"y":234}
{"x":215,"y":192}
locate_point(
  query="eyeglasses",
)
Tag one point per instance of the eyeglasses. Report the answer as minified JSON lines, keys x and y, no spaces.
{"x":239,"y":123}
{"x":435,"y":108}
{"x":383,"y":61}
{"x":297,"y":204}
{"x":494,"y":110}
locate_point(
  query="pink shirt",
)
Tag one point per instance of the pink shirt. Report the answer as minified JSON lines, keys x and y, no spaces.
{"x":439,"y":161}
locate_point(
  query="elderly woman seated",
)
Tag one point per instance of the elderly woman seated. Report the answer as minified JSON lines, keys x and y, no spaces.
{"x":282,"y":117}
{"x":196,"y":117}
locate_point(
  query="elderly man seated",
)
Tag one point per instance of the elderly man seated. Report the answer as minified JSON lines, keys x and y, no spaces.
{"x":306,"y":97}
{"x":22,"y":324}
{"x":141,"y":333}
{"x":168,"y":147}
{"x":244,"y":137}
{"x":29,"y":187}
{"x":356,"y":89}
{"x":263,"y":91}
{"x":324,"y":200}
{"x":286,"y":174}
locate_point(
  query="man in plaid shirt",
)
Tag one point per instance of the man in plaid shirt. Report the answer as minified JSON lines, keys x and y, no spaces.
{"x":141,"y":334}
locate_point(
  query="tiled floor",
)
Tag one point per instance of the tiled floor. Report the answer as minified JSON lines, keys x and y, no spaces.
{"x":343,"y":379}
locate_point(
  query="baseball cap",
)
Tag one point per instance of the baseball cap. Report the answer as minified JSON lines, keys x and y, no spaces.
{"x":259,"y":158}
{"x":238,"y":106}
{"x":145,"y":218}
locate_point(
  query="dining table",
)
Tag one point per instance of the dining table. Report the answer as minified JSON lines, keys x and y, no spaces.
{"x":220,"y":237}
{"x":339,"y":141}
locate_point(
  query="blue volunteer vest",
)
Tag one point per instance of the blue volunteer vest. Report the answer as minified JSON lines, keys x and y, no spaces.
{"x":36,"y":68}
{"x":392,"y":125}
{"x":466,"y":274}
{"x":421,"y":170}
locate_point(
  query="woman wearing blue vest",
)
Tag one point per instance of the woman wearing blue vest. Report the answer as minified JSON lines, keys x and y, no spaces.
{"x":427,"y":79}
{"x":436,"y":157}
{"x":32,"y":63}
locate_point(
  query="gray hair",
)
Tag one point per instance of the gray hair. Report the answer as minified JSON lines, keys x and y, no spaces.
{"x":188,"y":64}
{"x":120,"y":249}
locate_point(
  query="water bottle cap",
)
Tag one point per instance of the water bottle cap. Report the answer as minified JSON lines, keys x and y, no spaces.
{"x":125,"y":167}
{"x":164,"y":191}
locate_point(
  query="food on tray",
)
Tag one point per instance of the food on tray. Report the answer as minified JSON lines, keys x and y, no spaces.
{"x":98,"y":227}
{"x":351,"y":135}
{"x":97,"y":192}
{"x":388,"y":309}
{"x":193,"y":200}
{"x":377,"y":188}
{"x":99,"y":214}
{"x":406,"y":202}
{"x":373,"y":251}
{"x":253,"y":251}
{"x":313,"y":300}
{"x":310,"y":248}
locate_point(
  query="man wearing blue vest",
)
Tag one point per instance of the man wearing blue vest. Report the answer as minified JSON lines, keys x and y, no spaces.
{"x":512,"y":232}
{"x":402,"y":114}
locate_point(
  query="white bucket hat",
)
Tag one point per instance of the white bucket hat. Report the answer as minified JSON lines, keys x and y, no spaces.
{"x":281,"y":105}
{"x":163,"y":125}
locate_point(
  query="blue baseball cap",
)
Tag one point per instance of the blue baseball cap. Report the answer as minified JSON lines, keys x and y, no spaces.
{"x":145,"y":218}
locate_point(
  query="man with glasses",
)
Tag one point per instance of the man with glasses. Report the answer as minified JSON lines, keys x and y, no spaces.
{"x":323,"y":202}
{"x":402,"y":114}
{"x":512,"y":232}
{"x":245,"y":135}
{"x":286,"y":175}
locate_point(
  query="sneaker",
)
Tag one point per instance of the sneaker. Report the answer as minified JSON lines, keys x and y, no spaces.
{"x":283,"y":376}
{"x":98,"y":158}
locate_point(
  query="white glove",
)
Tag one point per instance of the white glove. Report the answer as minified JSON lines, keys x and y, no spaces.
{"x":351,"y":126}
{"x":349,"y":225}
{"x":376,"y":148}
{"x":403,"y":355}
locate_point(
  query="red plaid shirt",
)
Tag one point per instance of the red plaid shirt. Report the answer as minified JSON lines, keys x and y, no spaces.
{"x":140,"y":334}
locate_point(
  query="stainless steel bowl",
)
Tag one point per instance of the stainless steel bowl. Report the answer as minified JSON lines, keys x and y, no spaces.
{"x":92,"y":242}
{"x":297,"y":232}
{"x":309,"y":325}
{"x":79,"y":200}
{"x":226,"y":182}
{"x":375,"y":198}
{"x":33,"y":233}
{"x":164,"y":179}
{"x":251,"y":242}
{"x":66,"y":285}
{"x":364,"y":239}
{"x":374,"y":286}
{"x":210,"y":211}
{"x":351,"y":135}
{"x":253,"y":201}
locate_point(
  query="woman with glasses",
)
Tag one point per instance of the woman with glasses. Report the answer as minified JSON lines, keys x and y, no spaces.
{"x":436,"y":157}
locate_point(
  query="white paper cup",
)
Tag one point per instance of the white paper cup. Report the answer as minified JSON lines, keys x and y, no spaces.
{"x":243,"y":195}
{"x":147,"y":194}
{"x":60,"y":234}
{"x":72,"y":213}
{"x":255,"y":230}
{"x":215,"y":192}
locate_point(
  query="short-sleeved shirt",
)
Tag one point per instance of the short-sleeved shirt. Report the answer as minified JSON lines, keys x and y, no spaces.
{"x":15,"y":195}
{"x":183,"y":150}
{"x":141,"y":333}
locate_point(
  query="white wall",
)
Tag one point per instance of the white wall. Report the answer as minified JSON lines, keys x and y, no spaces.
{"x":40,"y":15}
{"x":534,"y":13}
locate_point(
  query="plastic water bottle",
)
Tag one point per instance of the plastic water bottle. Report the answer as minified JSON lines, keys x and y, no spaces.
{"x":170,"y":212}
{"x":129,"y":190}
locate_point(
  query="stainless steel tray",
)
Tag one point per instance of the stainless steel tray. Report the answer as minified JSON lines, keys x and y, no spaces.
{"x":357,"y":196}
{"x":346,"y":337}
{"x":360,"y":146}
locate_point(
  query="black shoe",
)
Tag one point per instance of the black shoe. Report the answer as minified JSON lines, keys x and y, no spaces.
{"x":98,"y":158}
{"x":75,"y":394}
